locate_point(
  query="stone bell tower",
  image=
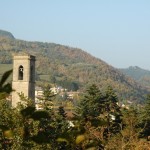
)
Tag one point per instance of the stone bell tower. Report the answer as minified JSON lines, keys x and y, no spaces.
{"x":23,"y":77}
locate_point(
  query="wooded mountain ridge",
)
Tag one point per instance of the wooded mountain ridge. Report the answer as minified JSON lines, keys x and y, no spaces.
{"x":140,"y":75}
{"x":71,"y":67}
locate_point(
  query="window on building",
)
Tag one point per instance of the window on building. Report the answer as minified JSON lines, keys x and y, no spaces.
{"x":20,"y":73}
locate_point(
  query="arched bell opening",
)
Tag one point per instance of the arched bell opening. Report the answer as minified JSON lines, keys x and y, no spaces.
{"x":20,"y":73}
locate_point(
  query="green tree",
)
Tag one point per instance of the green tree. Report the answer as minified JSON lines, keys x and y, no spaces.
{"x":113,"y":113}
{"x":91,"y":118}
{"x":88,"y":106}
{"x":74,"y":86}
{"x":52,"y":79}
{"x":9,"y":118}
{"x":47,"y":98}
{"x":62,"y":112}
{"x":5,"y":88}
{"x":128,"y":137}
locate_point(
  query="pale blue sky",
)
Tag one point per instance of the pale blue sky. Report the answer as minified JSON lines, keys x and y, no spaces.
{"x":116,"y":31}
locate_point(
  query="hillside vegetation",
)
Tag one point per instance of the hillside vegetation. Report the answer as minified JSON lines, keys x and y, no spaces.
{"x":70,"y":67}
{"x":6,"y":34}
{"x":140,"y":75}
{"x":97,"y":122}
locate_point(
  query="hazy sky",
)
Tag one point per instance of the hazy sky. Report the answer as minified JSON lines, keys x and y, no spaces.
{"x":116,"y":31}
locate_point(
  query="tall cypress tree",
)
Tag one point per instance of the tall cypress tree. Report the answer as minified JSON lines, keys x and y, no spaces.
{"x":113,"y":112}
{"x":47,"y":98}
{"x":88,"y":107}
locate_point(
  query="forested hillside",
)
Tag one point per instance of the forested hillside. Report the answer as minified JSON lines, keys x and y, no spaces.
{"x":6,"y":34}
{"x":140,"y":75}
{"x":71,"y":67}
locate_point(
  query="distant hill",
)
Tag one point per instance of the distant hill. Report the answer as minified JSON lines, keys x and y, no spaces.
{"x":6,"y":34}
{"x":71,"y":67}
{"x":140,"y":75}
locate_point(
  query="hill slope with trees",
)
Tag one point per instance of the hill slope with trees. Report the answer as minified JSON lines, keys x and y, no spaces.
{"x":70,"y":67}
{"x":6,"y":34}
{"x":140,"y":75}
